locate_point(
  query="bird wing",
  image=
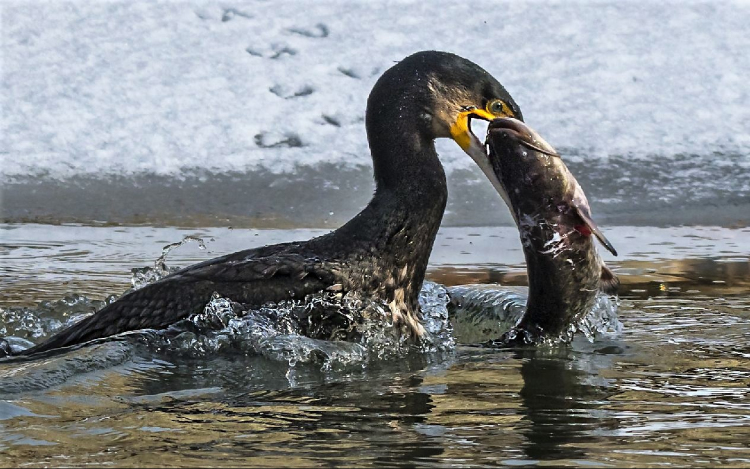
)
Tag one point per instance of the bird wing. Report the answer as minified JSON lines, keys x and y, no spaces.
{"x":251,"y":277}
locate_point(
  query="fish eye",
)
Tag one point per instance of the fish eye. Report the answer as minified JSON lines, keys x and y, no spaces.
{"x":498,"y":108}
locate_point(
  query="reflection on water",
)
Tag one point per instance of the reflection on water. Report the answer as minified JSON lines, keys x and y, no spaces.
{"x":672,"y":389}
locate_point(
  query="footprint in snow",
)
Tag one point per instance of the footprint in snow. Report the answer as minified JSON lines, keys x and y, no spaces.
{"x":320,"y":31}
{"x":276,"y":52}
{"x":231,"y":13}
{"x":267,"y":140}
{"x":283,"y":92}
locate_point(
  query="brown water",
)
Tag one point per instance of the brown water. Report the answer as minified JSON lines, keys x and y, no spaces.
{"x":672,"y":389}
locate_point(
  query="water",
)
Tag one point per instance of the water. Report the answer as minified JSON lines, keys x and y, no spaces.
{"x":670,"y":388}
{"x":178,"y":113}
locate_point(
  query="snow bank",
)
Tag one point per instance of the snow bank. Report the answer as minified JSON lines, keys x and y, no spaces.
{"x":97,"y":88}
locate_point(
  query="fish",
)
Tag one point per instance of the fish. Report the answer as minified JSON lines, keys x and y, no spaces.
{"x":557,"y":231}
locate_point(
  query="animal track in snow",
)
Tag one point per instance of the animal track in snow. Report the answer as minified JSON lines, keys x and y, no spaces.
{"x":275,"y":53}
{"x":331,"y":120}
{"x":283,"y":92}
{"x":227,"y":14}
{"x":357,"y":72}
{"x":321,"y":31}
{"x":274,"y":140}
{"x":231,"y":13}
{"x":349,"y":72}
{"x":283,"y":51}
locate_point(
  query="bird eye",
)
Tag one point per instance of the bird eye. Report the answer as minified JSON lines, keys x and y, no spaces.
{"x":498,"y":108}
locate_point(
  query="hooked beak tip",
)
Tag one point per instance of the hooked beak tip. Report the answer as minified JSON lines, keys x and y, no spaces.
{"x":523,"y":134}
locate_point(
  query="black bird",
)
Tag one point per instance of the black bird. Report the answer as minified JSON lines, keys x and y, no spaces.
{"x":383,"y":251}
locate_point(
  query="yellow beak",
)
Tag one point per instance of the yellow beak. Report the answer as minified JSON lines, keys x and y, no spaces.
{"x":461,"y":129}
{"x":469,"y":143}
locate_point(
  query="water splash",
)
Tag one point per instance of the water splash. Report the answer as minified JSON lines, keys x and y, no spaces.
{"x":327,"y":329}
{"x":359,"y":329}
{"x":48,"y":317}
{"x":433,"y":300}
{"x":142,"y":276}
{"x":602,"y":321}
{"x":362,"y":330}
{"x":485,"y":312}
{"x":482,"y":313}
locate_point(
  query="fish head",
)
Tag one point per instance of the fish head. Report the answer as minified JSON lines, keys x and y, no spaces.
{"x":528,"y":168}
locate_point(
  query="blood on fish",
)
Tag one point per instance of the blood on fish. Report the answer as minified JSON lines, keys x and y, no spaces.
{"x":583,"y":229}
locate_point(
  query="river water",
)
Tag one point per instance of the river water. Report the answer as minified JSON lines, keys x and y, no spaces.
{"x":668,"y":387}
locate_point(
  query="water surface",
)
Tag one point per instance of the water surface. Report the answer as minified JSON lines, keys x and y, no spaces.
{"x":670,"y":389}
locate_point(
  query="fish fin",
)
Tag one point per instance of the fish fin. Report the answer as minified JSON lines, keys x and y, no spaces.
{"x":609,"y":283}
{"x":589,"y":223}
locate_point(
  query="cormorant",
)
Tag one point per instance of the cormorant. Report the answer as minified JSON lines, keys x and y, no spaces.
{"x":383,"y":251}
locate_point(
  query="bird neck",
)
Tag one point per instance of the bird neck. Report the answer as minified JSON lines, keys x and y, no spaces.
{"x":405,"y":212}
{"x":409,"y":178}
{"x":390,"y":240}
{"x":403,"y":156}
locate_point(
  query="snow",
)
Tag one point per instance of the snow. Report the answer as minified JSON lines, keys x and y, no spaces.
{"x":97,"y":88}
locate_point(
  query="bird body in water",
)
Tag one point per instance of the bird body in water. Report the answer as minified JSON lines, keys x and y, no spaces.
{"x":565,"y":272}
{"x":382,"y":252}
